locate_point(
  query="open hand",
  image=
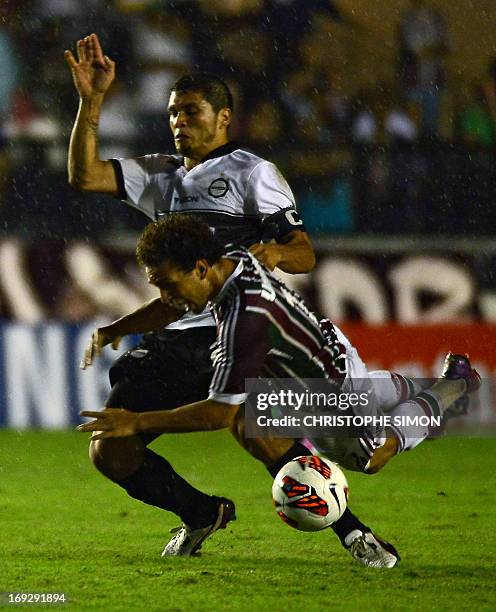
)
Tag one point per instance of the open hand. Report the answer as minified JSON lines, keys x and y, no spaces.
{"x":93,"y":72}
{"x":99,"y":338}
{"x":110,"y":423}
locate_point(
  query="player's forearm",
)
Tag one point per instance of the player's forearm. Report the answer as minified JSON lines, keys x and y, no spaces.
{"x":207,"y":415}
{"x":152,"y":315}
{"x":83,"y":160}
{"x":297,"y":255}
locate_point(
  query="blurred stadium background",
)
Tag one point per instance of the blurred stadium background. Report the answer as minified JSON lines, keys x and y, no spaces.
{"x":382,"y":116}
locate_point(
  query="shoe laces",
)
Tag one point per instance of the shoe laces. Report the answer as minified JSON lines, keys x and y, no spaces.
{"x":369,"y":552}
{"x":359,"y":546}
{"x":182,"y":534}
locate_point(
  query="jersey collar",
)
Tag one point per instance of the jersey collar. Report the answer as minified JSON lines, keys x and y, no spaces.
{"x":224,"y":149}
{"x":234,"y":274}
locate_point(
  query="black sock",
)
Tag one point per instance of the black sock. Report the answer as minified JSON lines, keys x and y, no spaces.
{"x":346,"y":524}
{"x":297,"y":450}
{"x":156,"y":483}
{"x":348,"y":521}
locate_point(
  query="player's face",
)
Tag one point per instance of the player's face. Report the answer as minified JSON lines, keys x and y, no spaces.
{"x":188,"y":291}
{"x":196,"y":127}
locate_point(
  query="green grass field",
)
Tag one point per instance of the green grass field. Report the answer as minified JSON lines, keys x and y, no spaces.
{"x":64,"y":528}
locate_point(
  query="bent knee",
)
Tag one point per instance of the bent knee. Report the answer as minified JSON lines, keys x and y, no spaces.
{"x":117,"y":458}
{"x":371,"y":469}
{"x":382,"y":455}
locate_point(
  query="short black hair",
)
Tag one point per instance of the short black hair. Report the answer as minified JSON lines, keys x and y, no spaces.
{"x":214,"y":90}
{"x":182,"y":239}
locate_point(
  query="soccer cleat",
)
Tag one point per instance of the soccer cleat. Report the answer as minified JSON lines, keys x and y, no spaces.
{"x":371,"y":551}
{"x":458,"y":367}
{"x":188,"y":541}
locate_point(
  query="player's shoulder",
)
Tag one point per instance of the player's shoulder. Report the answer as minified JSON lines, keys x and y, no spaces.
{"x":248,"y":160}
{"x":252,"y":168}
{"x":248,"y":271}
{"x":243,"y":260}
{"x":243,"y":155}
{"x":162,"y":162}
{"x":236,"y":253}
{"x":152,"y":164}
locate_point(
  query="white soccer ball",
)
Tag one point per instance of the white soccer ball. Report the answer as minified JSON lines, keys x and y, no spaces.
{"x":310,"y":493}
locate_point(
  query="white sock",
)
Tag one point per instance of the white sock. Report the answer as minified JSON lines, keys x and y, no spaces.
{"x":426,"y":403}
{"x":392,"y":388}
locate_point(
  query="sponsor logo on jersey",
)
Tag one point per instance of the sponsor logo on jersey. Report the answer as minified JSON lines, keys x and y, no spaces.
{"x":218,"y":188}
{"x":186,"y":199}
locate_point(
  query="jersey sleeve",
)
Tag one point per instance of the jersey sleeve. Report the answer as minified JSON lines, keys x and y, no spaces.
{"x":280,"y":224}
{"x":141,"y":180}
{"x":268,"y":191}
{"x":240,"y":351}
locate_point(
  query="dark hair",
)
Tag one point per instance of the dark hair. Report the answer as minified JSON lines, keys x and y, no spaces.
{"x":179,"y":238}
{"x":213,"y":89}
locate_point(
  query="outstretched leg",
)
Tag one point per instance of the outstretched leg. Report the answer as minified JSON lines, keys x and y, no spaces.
{"x":458,"y":377}
{"x":392,"y":388}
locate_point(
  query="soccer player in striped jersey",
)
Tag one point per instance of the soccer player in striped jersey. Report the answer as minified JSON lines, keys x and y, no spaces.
{"x":266,"y":330}
{"x":246,"y":200}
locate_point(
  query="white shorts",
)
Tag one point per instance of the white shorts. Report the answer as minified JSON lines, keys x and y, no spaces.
{"x":353,"y":453}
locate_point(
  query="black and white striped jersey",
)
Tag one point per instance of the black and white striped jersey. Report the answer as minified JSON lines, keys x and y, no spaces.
{"x":265,"y":329}
{"x":244,"y":198}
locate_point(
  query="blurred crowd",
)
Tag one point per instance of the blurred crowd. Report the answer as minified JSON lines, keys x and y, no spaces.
{"x":406,"y":156}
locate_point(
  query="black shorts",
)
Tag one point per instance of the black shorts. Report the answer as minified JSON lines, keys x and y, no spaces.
{"x":165,"y":370}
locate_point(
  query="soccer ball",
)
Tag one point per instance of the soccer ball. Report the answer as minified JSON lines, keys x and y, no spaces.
{"x":310,"y":493}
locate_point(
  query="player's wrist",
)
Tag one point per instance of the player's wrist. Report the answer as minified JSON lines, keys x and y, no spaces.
{"x":113,"y":330}
{"x":123,"y":327}
{"x":94,"y":99}
{"x":145,"y":421}
{"x":138,"y":424}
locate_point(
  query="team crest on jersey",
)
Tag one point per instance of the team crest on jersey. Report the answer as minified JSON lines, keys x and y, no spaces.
{"x":218,"y":188}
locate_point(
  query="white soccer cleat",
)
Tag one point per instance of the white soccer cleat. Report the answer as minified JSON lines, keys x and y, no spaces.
{"x":188,"y":541}
{"x":371,"y":551}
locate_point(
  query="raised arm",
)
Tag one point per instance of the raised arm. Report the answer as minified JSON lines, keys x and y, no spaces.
{"x":93,"y":74}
